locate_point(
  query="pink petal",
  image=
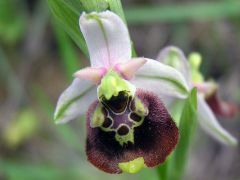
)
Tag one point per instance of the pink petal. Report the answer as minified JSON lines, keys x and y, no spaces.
{"x":91,"y":74}
{"x":128,"y":69}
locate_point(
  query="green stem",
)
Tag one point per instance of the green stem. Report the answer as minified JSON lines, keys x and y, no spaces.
{"x":174,"y":166}
{"x":162,"y":170}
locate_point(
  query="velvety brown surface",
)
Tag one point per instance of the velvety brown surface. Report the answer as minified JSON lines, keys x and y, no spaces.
{"x":154,"y":139}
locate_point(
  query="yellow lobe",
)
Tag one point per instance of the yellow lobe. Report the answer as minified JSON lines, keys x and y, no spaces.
{"x":133,"y":166}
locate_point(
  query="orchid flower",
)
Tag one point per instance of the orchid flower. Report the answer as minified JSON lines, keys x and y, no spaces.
{"x":207,"y":101}
{"x":128,"y":127}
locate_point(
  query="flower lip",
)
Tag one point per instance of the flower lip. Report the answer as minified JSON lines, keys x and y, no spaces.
{"x":154,"y":139}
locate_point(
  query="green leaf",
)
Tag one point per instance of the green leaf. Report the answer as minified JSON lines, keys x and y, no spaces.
{"x":94,"y":5}
{"x":75,"y":5}
{"x":186,"y":130}
{"x":68,"y":18}
{"x":176,"y":13}
{"x":12,"y":21}
{"x":162,"y":170}
{"x":67,"y":13}
{"x":69,"y":57}
{"x":116,"y":7}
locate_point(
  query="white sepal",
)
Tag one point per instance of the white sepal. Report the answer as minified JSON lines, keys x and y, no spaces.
{"x":74,"y":101}
{"x":161,"y":79}
{"x":210,"y":124}
{"x":107,"y":38}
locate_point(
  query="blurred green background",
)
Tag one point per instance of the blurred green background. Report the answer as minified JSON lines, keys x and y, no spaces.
{"x":37,"y":60}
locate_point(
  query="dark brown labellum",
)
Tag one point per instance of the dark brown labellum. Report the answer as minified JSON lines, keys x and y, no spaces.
{"x":153,"y":139}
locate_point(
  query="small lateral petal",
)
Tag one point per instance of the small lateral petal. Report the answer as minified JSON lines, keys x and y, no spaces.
{"x":91,"y":74}
{"x":128,"y":69}
{"x":210,"y":124}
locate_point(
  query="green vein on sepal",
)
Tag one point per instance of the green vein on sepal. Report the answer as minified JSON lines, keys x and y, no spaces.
{"x":183,"y":89}
{"x":64,"y":107}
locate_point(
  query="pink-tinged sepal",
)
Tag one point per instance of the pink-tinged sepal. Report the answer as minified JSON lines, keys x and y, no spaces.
{"x":128,"y":69}
{"x":91,"y":74}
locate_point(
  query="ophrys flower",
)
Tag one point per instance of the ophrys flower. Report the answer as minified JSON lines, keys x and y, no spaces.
{"x":128,"y":126}
{"x":207,"y":102}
